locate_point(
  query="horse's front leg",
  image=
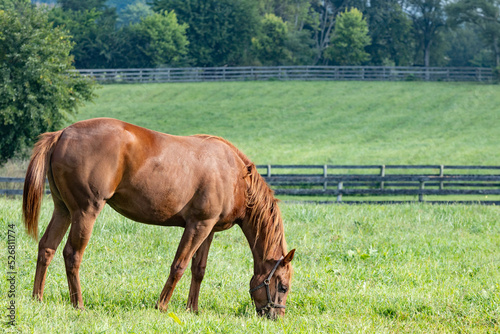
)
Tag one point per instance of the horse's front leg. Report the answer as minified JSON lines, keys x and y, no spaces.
{"x":198,"y":266}
{"x":194,"y":235}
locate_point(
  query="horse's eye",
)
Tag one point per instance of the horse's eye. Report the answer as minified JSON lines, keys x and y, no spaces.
{"x":282,"y":288}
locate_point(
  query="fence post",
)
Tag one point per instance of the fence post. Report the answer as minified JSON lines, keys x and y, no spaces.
{"x":340,"y":186}
{"x":325,"y":174}
{"x":420,"y":195}
{"x":441,"y":174}
{"x":268,"y":170}
{"x":382,"y":173}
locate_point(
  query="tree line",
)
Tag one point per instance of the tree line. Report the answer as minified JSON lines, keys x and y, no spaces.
{"x":41,"y":45}
{"x":154,"y":33}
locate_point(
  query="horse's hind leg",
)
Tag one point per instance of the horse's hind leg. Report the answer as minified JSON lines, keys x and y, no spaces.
{"x":48,"y":245}
{"x":198,"y":265}
{"x":82,"y":223}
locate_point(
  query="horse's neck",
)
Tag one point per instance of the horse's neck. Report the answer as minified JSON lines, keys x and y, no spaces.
{"x":257,"y":248}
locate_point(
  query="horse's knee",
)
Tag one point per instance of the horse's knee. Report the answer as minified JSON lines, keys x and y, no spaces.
{"x":45,"y":255}
{"x":71,"y":258}
{"x":176,"y":271}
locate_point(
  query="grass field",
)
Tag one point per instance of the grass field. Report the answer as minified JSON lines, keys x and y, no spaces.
{"x":385,"y":269}
{"x":410,"y":268}
{"x":322,"y":122}
{"x":318,"y":122}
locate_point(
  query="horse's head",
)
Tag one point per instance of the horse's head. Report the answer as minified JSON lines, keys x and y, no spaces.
{"x":270,"y":288}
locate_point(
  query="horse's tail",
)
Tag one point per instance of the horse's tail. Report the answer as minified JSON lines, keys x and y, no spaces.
{"x":34,"y":183}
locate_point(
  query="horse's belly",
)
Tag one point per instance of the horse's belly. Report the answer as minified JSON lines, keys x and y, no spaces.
{"x":145,"y":210}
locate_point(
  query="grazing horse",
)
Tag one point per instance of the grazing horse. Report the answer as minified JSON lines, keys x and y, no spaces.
{"x":201,"y":183}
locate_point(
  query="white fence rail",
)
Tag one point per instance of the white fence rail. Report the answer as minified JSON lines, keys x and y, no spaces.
{"x":313,"y":73}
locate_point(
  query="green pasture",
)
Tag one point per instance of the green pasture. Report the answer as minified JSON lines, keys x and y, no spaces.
{"x":385,"y":269}
{"x":322,"y":122}
{"x":367,"y":268}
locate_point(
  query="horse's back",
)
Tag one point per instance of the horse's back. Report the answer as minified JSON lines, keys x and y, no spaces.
{"x":146,"y":175}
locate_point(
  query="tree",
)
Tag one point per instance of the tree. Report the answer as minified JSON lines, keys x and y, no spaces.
{"x":467,"y":48}
{"x":7,"y":4}
{"x":38,"y":91}
{"x":485,"y":14}
{"x":349,"y":39}
{"x":79,"y":5}
{"x":295,"y":12}
{"x":97,"y":41}
{"x":121,"y":5}
{"x":133,"y":13}
{"x":219,"y":31}
{"x":157,"y":40}
{"x":391,"y":34}
{"x":301,"y":46}
{"x":324,"y":14}
{"x":428,"y":21}
{"x":270,"y":46}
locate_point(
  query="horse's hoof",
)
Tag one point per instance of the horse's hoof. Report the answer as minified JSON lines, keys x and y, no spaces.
{"x":160,"y":308}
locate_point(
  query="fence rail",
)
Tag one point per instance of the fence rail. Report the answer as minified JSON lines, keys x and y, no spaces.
{"x":359,"y":181}
{"x":14,"y":185}
{"x":313,"y":73}
{"x":384,"y":181}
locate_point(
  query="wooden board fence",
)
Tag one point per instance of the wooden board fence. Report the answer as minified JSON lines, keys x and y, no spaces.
{"x":357,"y":182}
{"x":285,"y":73}
{"x":383,"y":181}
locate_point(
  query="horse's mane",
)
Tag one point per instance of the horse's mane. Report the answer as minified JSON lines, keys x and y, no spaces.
{"x":263,"y":211}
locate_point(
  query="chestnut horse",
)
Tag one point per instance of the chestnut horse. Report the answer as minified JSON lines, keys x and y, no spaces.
{"x":201,"y":183}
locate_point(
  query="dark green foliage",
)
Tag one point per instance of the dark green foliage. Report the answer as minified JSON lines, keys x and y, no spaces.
{"x":219,"y":32}
{"x":349,"y":39}
{"x":485,"y":14}
{"x":97,"y":42}
{"x":324,"y":14}
{"x":157,"y":40}
{"x":133,"y":13}
{"x":391,"y":34}
{"x":270,"y":46}
{"x":428,"y":23}
{"x":466,"y":48}
{"x":301,"y":45}
{"x":37,"y":91}
{"x":79,"y":5}
{"x":9,"y":4}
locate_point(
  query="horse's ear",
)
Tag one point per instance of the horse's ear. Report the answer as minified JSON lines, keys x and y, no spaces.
{"x":250,"y":168}
{"x":288,"y":257}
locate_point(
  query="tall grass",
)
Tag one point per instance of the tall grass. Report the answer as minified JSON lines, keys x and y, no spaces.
{"x":409,"y":268}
